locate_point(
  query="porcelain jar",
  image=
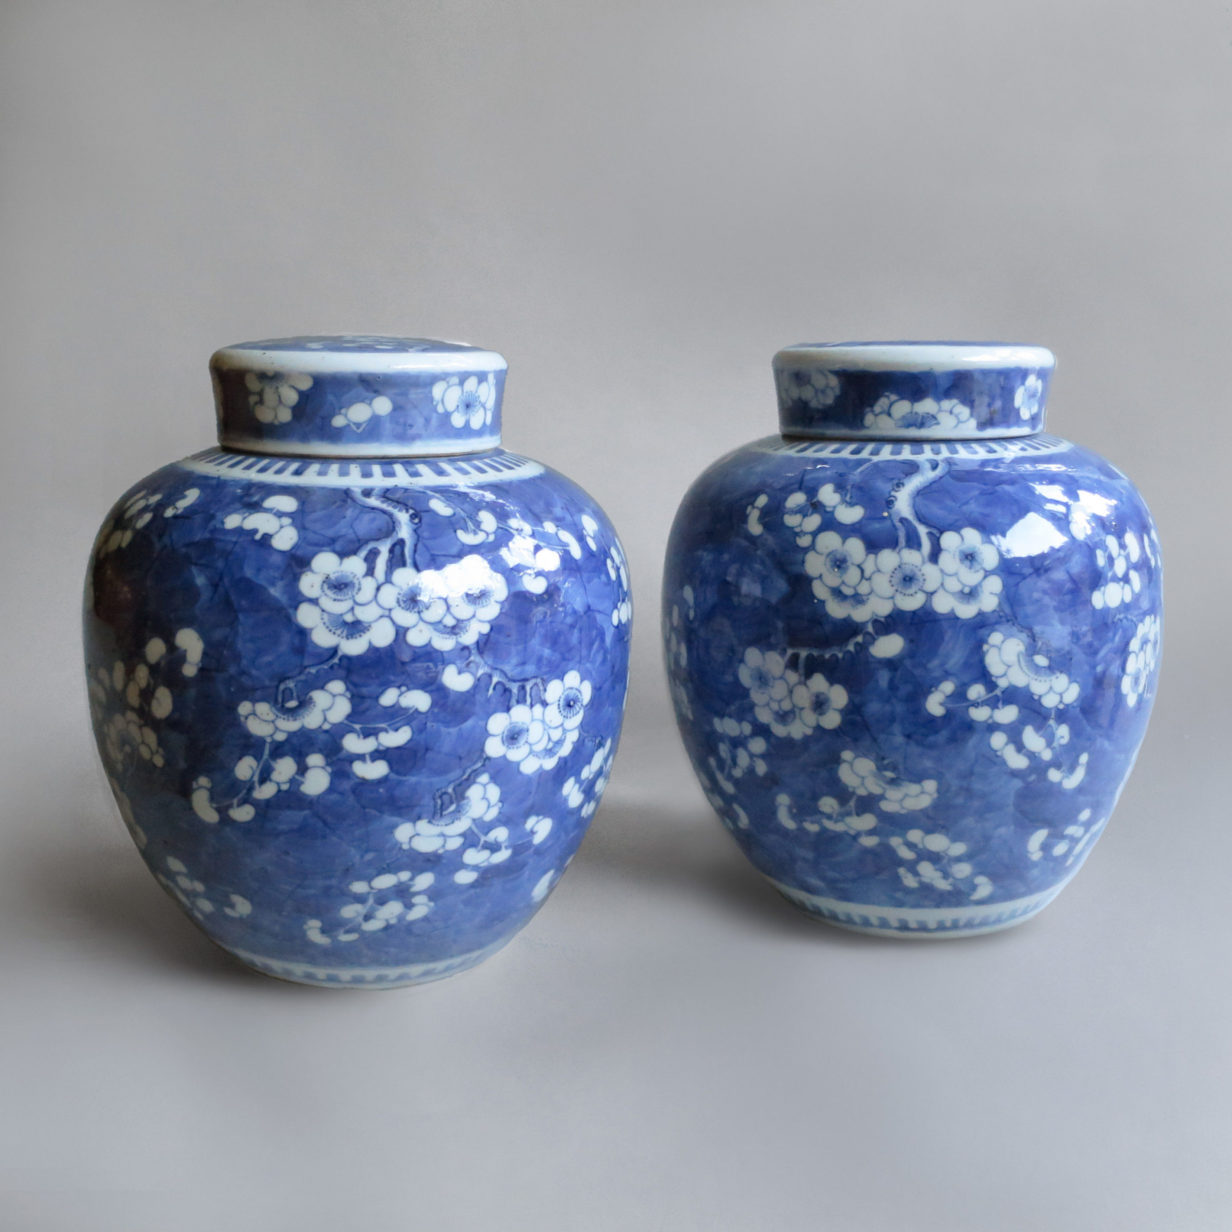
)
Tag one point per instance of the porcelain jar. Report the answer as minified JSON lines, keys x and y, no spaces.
{"x":357,"y":676}
{"x":913,"y":640}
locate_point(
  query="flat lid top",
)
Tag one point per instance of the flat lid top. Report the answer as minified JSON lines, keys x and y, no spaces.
{"x":326,"y":353}
{"x":913,"y":356}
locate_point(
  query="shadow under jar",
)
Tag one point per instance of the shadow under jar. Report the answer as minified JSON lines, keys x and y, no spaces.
{"x":357,"y":676}
{"x":913,"y":641}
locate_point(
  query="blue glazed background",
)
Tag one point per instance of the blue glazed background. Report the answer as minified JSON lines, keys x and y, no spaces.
{"x":987,"y":393}
{"x":747,"y":587}
{"x":312,"y":405}
{"x":161,"y":566}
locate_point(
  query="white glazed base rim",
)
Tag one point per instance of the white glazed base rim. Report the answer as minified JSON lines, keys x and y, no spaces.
{"x":918,"y":923}
{"x":364,"y":977}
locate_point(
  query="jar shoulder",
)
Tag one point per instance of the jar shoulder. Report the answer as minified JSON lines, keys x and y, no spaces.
{"x":268,"y":493}
{"x":996,"y":481}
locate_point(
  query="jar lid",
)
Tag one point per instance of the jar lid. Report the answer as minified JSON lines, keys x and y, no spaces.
{"x":358,"y":395}
{"x":912,"y":390}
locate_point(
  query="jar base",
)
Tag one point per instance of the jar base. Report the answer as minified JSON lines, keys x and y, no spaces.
{"x":365,"y":977}
{"x":918,"y":923}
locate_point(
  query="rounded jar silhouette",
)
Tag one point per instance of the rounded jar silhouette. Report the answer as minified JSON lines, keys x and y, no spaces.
{"x":357,"y":676}
{"x":913,"y":640}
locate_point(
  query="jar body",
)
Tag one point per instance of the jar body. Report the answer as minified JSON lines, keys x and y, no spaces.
{"x":913,"y":676}
{"x":357,"y":713}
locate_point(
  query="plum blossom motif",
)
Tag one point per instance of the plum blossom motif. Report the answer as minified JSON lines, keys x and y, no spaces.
{"x":840,"y":569}
{"x":836,"y":562}
{"x":194,"y":895}
{"x":320,"y":710}
{"x":904,"y":578}
{"x":479,"y":804}
{"x":968,"y":585}
{"x":536,"y":736}
{"x":1011,"y":665}
{"x":343,"y":612}
{"x":375,"y":909}
{"x":358,"y":414}
{"x":942,"y":865}
{"x":1027,"y":396}
{"x":272,"y":521}
{"x":444,"y":608}
{"x":468,"y":401}
{"x":1119,"y":561}
{"x":272,"y":395}
{"x":891,"y":414}
{"x":816,"y":389}
{"x":565,"y":701}
{"x":788,"y":704}
{"x":583,"y":790}
{"x":896,"y":795}
{"x":1141,"y":661}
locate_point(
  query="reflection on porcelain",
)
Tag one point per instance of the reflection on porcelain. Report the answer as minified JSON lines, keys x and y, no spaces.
{"x":913,"y":641}
{"x":357,"y":680}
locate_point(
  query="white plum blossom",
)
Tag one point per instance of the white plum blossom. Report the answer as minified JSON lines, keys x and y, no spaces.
{"x":836,"y":562}
{"x":565,"y":701}
{"x":1073,"y":840}
{"x":538,"y":828}
{"x":188,"y":498}
{"x":786,"y":703}
{"x":1027,"y":396}
{"x":529,"y":557}
{"x":618,"y":571}
{"x":339,"y":584}
{"x":271,"y":395}
{"x":468,"y":402}
{"x":752,"y":515}
{"x":447,"y":607}
{"x":343,"y":611}
{"x":583,"y":790}
{"x":904,"y":577}
{"x":358,"y":414}
{"x":194,"y":896}
{"x":376,"y":910}
{"x":799,"y":516}
{"x":966,"y":600}
{"x":320,"y":710}
{"x":1119,"y":562}
{"x":832,"y":500}
{"x":897,"y":795}
{"x":936,"y":860}
{"x":479,"y":804}
{"x":966,"y":555}
{"x":118,"y":532}
{"x":1011,"y":665}
{"x":891,"y":414}
{"x":740,"y":751}
{"x":273,"y":521}
{"x":515,"y":734}
{"x":840,"y":569}
{"x":968,"y":585}
{"x":816,"y":389}
{"x":414,"y":599}
{"x":531,"y":738}
{"x":1141,"y":661}
{"x":676,"y":652}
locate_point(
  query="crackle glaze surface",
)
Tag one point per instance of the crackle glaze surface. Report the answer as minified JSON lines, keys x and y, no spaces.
{"x":357,"y":713}
{"x":913,"y":674}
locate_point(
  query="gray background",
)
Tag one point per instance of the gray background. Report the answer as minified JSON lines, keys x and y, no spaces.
{"x":637,"y":203}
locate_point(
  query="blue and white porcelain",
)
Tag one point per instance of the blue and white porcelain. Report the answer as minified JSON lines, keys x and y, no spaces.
{"x":357,"y":677}
{"x":913,"y":640}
